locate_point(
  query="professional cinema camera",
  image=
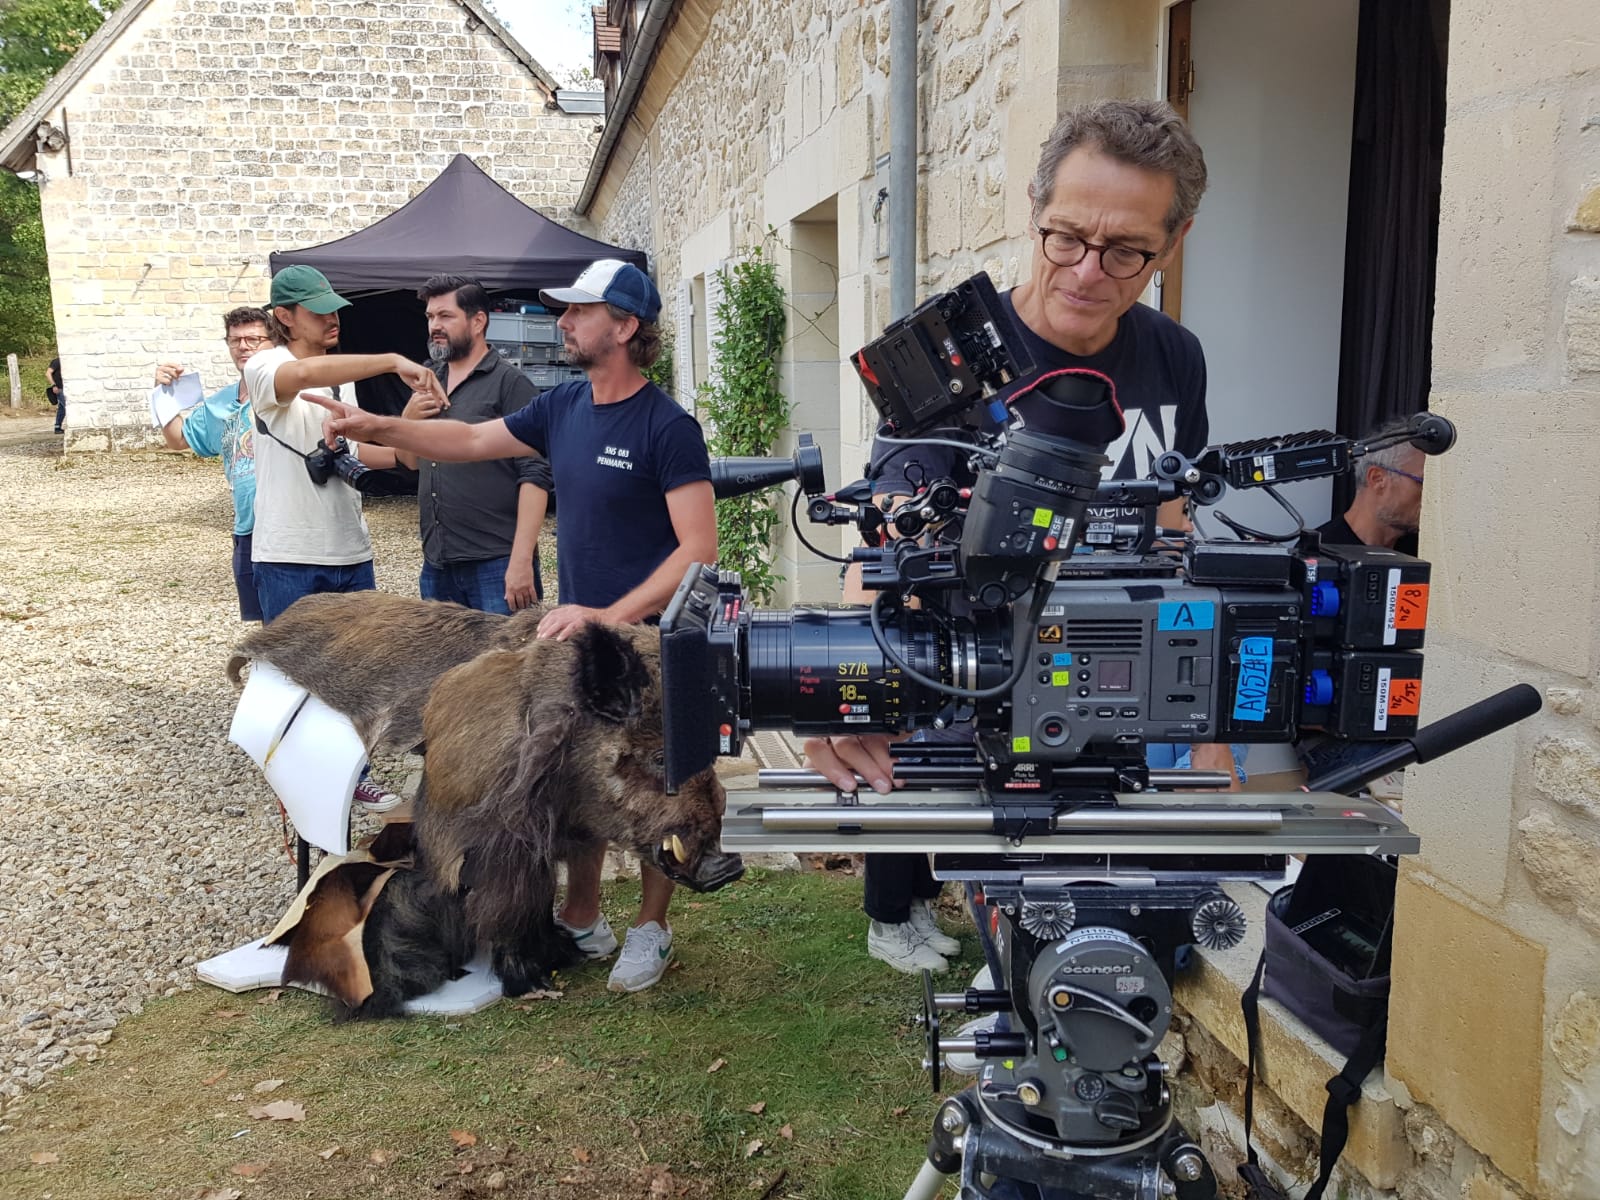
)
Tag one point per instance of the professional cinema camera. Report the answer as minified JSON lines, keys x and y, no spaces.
{"x":1091,"y":876}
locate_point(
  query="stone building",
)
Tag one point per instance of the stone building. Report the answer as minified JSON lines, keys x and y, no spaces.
{"x":728,"y":118}
{"x":188,"y":139}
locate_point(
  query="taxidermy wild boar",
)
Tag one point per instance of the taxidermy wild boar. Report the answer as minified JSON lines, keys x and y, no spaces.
{"x":536,"y":749}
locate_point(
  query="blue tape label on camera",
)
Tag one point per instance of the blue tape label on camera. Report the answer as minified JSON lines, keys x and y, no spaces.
{"x":1255,"y":676}
{"x":1186,"y":614}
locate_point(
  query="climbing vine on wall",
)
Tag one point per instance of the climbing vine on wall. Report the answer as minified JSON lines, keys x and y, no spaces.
{"x":745,"y":412}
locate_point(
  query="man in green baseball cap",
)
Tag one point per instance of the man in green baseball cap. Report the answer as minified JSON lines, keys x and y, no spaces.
{"x":307,"y":287}
{"x":310,"y":536}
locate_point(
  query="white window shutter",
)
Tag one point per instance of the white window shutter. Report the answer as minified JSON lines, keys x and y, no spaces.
{"x":683,"y":344}
{"x":713,"y":322}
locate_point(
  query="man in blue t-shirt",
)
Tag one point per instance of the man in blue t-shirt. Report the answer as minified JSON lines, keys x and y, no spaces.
{"x":634,"y":482}
{"x":221,"y":426}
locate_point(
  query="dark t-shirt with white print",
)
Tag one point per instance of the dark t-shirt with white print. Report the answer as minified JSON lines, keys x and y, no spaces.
{"x":613,"y":466}
{"x":1159,"y":372}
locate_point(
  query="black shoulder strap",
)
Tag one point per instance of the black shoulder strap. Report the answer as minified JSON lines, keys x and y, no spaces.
{"x":261,"y":427}
{"x":1344,"y":1089}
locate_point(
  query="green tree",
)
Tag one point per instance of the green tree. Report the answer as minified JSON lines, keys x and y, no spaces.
{"x":37,"y":38}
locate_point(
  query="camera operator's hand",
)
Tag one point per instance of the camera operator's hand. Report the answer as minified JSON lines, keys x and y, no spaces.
{"x":841,"y":759}
{"x":423,"y":405}
{"x":561,"y":623}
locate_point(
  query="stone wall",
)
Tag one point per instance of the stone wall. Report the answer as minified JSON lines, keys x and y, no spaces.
{"x":1496,"y":1025}
{"x":216,"y":131}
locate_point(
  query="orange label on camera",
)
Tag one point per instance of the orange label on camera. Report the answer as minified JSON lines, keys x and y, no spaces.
{"x":1405,"y":697}
{"x":1411,"y":607}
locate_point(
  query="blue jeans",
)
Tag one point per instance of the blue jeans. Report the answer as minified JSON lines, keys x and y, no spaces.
{"x":278,"y":585}
{"x":480,"y":585}
{"x":244,"y":578}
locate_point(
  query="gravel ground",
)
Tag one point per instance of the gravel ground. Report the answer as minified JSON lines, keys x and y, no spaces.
{"x":135,"y":840}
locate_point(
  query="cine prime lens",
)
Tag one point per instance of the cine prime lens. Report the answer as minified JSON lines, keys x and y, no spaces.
{"x":820,"y":672}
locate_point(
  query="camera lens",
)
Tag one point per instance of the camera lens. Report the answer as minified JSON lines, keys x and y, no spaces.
{"x":820,"y":671}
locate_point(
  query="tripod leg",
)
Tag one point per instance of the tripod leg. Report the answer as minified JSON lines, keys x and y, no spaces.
{"x":927,"y":1183}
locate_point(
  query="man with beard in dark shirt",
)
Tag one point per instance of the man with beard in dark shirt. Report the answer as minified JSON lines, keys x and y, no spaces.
{"x":1388,"y":503}
{"x":480,"y":521}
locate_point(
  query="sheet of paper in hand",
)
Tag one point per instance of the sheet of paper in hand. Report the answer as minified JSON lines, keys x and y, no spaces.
{"x":168,"y":400}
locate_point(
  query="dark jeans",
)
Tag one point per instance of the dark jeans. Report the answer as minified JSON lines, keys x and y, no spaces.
{"x":61,"y":410}
{"x":278,"y":585}
{"x":480,"y":585}
{"x":244,"y":578}
{"x":890,"y":882}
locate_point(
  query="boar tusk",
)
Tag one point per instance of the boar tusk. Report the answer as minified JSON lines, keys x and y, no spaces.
{"x":678,"y":852}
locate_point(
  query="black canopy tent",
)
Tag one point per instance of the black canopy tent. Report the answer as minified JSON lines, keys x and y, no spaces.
{"x":463,"y":223}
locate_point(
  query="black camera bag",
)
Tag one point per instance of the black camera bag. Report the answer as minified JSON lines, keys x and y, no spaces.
{"x":1326,"y":959}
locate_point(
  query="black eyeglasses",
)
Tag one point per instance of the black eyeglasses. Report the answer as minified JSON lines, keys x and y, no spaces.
{"x":1398,"y":471}
{"x":247,"y":343}
{"x":1119,"y":262}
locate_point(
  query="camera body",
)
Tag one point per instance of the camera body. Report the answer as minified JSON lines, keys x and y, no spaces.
{"x":336,"y":461}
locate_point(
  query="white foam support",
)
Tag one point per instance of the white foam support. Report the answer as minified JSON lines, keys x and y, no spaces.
{"x":255,"y":965}
{"x":311,"y":754}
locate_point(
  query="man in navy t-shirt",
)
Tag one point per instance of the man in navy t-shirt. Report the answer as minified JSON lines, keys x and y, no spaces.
{"x":634,"y":482}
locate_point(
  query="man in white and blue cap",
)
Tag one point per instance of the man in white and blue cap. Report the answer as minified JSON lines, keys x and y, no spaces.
{"x":634,"y":481}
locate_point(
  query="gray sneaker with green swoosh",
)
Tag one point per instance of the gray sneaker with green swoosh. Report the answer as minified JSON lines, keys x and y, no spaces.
{"x":646,"y":951}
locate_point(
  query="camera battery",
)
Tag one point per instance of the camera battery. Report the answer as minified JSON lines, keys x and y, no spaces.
{"x":1368,"y":695}
{"x":1366,"y":597}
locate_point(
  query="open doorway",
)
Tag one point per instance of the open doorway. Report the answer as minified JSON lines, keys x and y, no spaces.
{"x":1309,"y":274}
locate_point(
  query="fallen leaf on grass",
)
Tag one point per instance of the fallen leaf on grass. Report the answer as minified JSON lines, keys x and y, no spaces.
{"x":466,"y":1167}
{"x":279,"y":1110}
{"x":759,"y":1107}
{"x":787,"y":1133}
{"x":249,"y":1170}
{"x":662,"y":1182}
{"x":271,"y":997}
{"x":214,"y":1077}
{"x":325,"y":1155}
{"x":495,"y":1181}
{"x":753,"y":1148}
{"x":218,"y":1194}
{"x":716,"y":1066}
{"x":899,"y":1111}
{"x":44,"y":1158}
{"x":463,"y":1139}
{"x":582,"y":1154}
{"x":267,"y":1085}
{"x":381,"y":1158}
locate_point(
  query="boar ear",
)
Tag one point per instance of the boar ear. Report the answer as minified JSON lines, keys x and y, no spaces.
{"x":610,"y":676}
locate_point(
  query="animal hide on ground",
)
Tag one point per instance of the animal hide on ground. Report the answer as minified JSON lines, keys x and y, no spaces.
{"x":536,"y":750}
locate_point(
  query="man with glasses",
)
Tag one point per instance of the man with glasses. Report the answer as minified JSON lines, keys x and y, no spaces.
{"x":1388,"y":503}
{"x":1114,"y":193}
{"x":220,"y":427}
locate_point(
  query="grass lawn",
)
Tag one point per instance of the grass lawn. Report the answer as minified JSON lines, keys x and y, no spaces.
{"x":776,"y":1059}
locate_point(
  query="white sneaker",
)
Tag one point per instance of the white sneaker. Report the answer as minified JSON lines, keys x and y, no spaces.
{"x":645,"y":954}
{"x":901,"y":947}
{"x":960,"y":1061}
{"x":595,"y":940}
{"x":936,"y":939}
